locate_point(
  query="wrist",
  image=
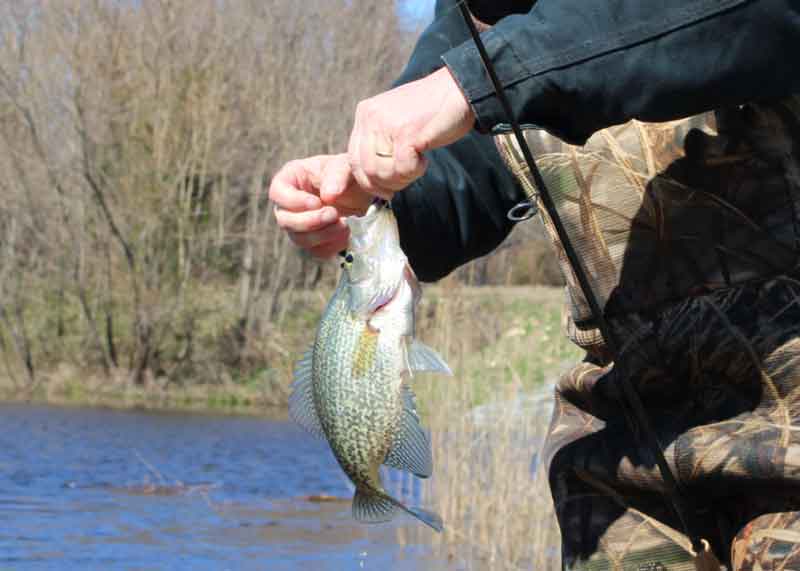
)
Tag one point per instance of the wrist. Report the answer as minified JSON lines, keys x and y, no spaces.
{"x":468,"y":72}
{"x":450,"y":115}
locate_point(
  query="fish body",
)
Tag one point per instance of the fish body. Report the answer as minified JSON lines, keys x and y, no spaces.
{"x":350,"y":386}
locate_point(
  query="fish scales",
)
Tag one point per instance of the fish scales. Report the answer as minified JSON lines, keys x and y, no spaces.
{"x":359,"y":412}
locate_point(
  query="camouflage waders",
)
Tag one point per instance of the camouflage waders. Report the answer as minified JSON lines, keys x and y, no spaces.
{"x":690,"y":234}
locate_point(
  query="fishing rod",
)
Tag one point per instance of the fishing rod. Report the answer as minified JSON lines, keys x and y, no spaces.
{"x":676,"y":494}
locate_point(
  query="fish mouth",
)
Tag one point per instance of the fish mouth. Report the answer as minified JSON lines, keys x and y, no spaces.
{"x":376,"y":268}
{"x":361,"y":226}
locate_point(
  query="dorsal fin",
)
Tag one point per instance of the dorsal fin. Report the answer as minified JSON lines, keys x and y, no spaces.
{"x":301,"y":401}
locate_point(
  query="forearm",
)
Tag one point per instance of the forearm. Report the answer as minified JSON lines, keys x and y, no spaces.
{"x":574,"y":67}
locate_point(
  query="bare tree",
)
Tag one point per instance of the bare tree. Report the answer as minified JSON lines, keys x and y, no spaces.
{"x":137,"y":139}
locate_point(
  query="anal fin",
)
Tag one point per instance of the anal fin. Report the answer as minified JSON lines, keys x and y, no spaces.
{"x":373,"y":508}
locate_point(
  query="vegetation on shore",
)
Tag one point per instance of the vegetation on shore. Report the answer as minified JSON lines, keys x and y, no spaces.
{"x":495,"y":337}
{"x":487,"y":423}
{"x":139,"y":258}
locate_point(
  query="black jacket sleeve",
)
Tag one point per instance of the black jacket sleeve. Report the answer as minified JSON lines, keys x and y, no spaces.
{"x":457,"y":210}
{"x":576,"y":66}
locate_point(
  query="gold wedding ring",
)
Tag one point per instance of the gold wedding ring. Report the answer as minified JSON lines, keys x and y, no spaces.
{"x":383,"y":146}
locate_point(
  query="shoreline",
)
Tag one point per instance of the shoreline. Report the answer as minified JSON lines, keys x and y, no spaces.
{"x":518,"y":343}
{"x":198,"y":399}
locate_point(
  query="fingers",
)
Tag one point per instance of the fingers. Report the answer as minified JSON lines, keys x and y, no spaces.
{"x":292,"y":187}
{"x":409,"y":165}
{"x":354,"y":154}
{"x":300,"y":211}
{"x":312,"y":196}
{"x":394,"y":128}
{"x":332,"y":233}
{"x":306,"y":221}
{"x":382,"y":160}
{"x":322,"y":232}
{"x":338,"y":187}
{"x":336,"y":178}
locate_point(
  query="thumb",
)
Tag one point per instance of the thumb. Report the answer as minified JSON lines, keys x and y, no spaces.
{"x":339,"y":188}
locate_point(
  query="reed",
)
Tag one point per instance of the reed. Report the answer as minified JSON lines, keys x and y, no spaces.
{"x":488,"y":424}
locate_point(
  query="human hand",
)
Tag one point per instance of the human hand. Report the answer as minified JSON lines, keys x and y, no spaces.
{"x":312,"y":196}
{"x":393,"y":129}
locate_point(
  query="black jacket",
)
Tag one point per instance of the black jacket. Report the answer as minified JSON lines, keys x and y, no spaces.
{"x":573,"y":67}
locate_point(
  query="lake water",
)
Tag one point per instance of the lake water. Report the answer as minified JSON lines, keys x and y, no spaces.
{"x":84,"y":488}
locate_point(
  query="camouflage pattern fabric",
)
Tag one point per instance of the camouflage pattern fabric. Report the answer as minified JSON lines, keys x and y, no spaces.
{"x":662,"y":211}
{"x":690,"y":235}
{"x":718,"y":375}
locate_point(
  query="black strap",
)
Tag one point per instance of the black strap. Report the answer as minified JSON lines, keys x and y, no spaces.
{"x":676,"y":495}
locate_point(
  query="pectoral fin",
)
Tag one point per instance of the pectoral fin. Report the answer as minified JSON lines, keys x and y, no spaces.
{"x":420,"y":357}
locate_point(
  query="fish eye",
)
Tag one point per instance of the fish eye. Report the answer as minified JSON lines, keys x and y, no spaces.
{"x":348,"y":259}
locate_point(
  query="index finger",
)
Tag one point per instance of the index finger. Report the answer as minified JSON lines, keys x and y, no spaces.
{"x":291,"y":198}
{"x":293,"y":187}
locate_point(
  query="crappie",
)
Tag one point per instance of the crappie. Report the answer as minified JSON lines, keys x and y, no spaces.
{"x":349,"y":387}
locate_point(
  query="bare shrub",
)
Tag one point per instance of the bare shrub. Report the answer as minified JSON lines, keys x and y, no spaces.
{"x":136,"y":139}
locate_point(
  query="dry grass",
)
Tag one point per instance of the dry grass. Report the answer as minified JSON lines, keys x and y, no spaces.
{"x":488,"y":424}
{"x":490,"y":490}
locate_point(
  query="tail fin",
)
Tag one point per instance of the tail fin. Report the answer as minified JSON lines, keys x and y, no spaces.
{"x":429,"y":518}
{"x":370,"y":506}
